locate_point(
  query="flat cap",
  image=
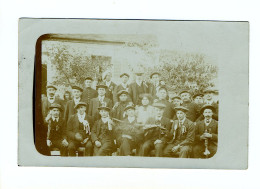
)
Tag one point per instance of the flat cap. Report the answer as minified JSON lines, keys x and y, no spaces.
{"x":181,"y":108}
{"x":207,"y":106}
{"x":89,"y":78}
{"x":101,"y":85}
{"x":184,"y":91}
{"x":55,"y":105}
{"x":80,"y":104}
{"x":104,"y":108}
{"x":122,"y":92}
{"x":130,"y":106}
{"x":176,"y":96}
{"x":77,"y":87}
{"x":159,"y":105}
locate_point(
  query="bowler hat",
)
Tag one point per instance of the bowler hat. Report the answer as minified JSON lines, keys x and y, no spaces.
{"x":55,"y":105}
{"x":104,"y":108}
{"x":198,"y":94}
{"x":80,"y":104}
{"x":122,"y":92}
{"x":184,"y":91}
{"x":176,"y":96}
{"x":89,"y":78}
{"x":77,"y":87}
{"x":101,"y":85}
{"x":181,"y":108}
{"x":207,"y":106}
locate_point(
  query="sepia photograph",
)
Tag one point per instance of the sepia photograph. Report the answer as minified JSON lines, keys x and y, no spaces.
{"x":135,"y":93}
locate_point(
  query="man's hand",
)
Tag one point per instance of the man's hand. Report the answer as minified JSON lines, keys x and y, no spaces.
{"x":84,"y":141}
{"x":127,"y":136}
{"x":78,"y":137}
{"x":202,"y":137}
{"x":157,"y":141}
{"x":208,"y":135}
{"x":48,"y":117}
{"x":64,"y":143}
{"x":175,"y":148}
{"x":49,"y":143}
{"x":97,"y":143}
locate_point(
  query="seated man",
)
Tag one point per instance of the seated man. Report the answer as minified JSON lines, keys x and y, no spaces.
{"x":102,"y":134}
{"x":183,"y":134}
{"x":156,"y":132}
{"x":79,"y":126}
{"x":56,"y":135}
{"x":130,"y":133}
{"x":118,"y":111}
{"x":206,"y":134}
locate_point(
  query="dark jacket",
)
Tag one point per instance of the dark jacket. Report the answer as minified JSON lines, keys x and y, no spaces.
{"x":100,"y":132}
{"x":94,"y":104}
{"x":88,"y":94}
{"x":110,"y":91}
{"x":46,"y":105}
{"x":56,"y":130}
{"x":212,"y":128}
{"x":134,"y":92}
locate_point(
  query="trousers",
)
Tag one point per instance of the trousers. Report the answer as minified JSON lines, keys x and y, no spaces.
{"x":74,"y":145}
{"x":183,"y":152}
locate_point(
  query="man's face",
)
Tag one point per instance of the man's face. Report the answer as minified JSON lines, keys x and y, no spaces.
{"x":108,"y":77}
{"x":124,"y":79}
{"x":104,"y":113}
{"x":198,"y":100}
{"x":51,"y":92}
{"x":159,"y":111}
{"x":76,"y":93}
{"x":208,"y":95}
{"x":176,"y":102}
{"x":88,"y":83}
{"x":123,"y":97}
{"x":155,"y":78}
{"x":130,"y":112}
{"x":185,"y":96}
{"x":208,"y":113}
{"x":180,"y":115}
{"x":67,"y":96}
{"x":145,"y":101}
{"x":162,"y":94}
{"x":101,"y":91}
{"x":82,"y":109}
{"x":55,"y":112}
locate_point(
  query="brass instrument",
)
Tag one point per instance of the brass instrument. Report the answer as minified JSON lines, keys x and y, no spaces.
{"x":206,"y":152}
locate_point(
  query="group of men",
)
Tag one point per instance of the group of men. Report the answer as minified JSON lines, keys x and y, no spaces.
{"x":140,"y":119}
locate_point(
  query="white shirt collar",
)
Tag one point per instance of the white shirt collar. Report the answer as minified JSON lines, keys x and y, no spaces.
{"x":209,"y":102}
{"x":81,"y":117}
{"x":131,"y":119}
{"x":124,"y":85}
{"x":51,"y":99}
{"x":158,"y":118}
{"x":207,"y":123}
{"x":55,"y":119}
{"x":105,"y":120}
{"x":108,"y":83}
{"x":101,"y":98}
{"x":182,"y":121}
{"x":76,"y":100}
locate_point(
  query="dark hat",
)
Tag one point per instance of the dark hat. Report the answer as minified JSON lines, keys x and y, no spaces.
{"x":154,"y":73}
{"x":147,"y":95}
{"x":207,"y":106}
{"x":130,"y":106}
{"x":139,"y":73}
{"x":209,"y":90}
{"x":101,"y":85}
{"x":198,"y":94}
{"x":88,"y":78}
{"x":51,"y":86}
{"x":77,"y":87}
{"x":122,"y":92}
{"x":163,"y":87}
{"x":124,"y":74}
{"x":182,"y":108}
{"x":184,"y":91}
{"x":55,"y":105}
{"x":104,"y":108}
{"x":176,"y":96}
{"x":80,"y":104}
{"x":159,"y":105}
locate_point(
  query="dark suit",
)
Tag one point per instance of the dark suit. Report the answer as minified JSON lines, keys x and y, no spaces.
{"x":199,"y":146}
{"x":168,"y":111}
{"x":88,"y":94}
{"x":101,"y":133}
{"x":133,"y":130}
{"x":73,"y":127}
{"x":193,"y":112}
{"x":110,"y":90}
{"x":93,"y":107}
{"x":46,"y":105}
{"x":135,"y":90}
{"x":56,"y":134}
{"x":118,"y":112}
{"x":184,"y":139}
{"x":69,"y":110}
{"x":152,"y":134}
{"x":215,"y":114}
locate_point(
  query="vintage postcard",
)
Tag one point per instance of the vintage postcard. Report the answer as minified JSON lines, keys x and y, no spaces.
{"x":133,"y":93}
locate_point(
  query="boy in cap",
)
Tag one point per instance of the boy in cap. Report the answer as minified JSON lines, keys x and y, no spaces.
{"x":182,"y":135}
{"x":130,"y":134}
{"x":106,"y":77}
{"x":156,"y":132}
{"x":162,"y":98}
{"x":193,"y":109}
{"x":206,"y":134}
{"x":138,"y":87}
{"x":71,"y":104}
{"x":102,"y":133}
{"x":100,"y":100}
{"x":79,"y":127}
{"x":56,"y":134}
{"x":88,"y":92}
{"x":122,"y":86}
{"x":119,"y":107}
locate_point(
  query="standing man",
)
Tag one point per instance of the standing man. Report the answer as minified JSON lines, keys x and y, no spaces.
{"x":106,"y":77}
{"x":183,"y":134}
{"x":79,"y":127}
{"x":193,"y":110}
{"x":99,"y":101}
{"x":208,"y":96}
{"x":138,"y":87}
{"x":88,"y":92}
{"x":56,"y":134}
{"x":206,"y":134}
{"x":156,"y":132}
{"x":71,"y":104}
{"x":122,"y":86}
{"x":102,"y":134}
{"x":155,"y":80}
